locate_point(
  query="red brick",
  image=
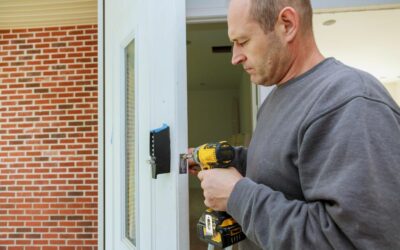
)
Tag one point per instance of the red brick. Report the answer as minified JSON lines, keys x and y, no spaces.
{"x":58,"y":33}
{"x":50,"y":248}
{"x":48,"y":135}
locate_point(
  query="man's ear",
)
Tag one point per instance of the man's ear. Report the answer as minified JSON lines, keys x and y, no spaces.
{"x":288,"y":23}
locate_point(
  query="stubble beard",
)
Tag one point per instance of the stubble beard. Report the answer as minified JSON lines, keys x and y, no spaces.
{"x":274,"y":58}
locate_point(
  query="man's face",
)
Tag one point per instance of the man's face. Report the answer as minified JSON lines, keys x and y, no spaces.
{"x":260,"y":54}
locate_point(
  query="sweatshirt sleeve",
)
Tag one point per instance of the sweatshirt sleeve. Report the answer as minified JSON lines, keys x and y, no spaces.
{"x":240,"y":159}
{"x":349,"y":168}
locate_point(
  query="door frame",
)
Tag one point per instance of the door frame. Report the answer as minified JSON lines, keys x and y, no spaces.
{"x":101,"y":107}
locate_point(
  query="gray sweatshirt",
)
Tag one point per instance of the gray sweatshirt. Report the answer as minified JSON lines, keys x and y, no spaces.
{"x":323,"y":165}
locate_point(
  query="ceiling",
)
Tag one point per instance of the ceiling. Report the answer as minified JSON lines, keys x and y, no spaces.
{"x":368,"y":39}
{"x":45,"y":13}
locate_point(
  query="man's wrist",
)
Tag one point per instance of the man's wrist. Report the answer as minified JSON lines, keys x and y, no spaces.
{"x":234,"y":197}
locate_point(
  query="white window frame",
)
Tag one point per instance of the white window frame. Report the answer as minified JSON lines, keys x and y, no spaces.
{"x":122,"y":97}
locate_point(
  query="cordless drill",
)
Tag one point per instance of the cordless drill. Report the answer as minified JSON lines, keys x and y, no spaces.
{"x":217,"y":227}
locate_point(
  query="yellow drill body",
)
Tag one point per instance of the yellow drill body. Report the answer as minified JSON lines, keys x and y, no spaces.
{"x":214,"y":155}
{"x":216,"y":227}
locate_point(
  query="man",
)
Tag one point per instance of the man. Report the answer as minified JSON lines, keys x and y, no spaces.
{"x":323,"y":168}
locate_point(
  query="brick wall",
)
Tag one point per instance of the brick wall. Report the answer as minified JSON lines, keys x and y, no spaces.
{"x":48,"y":138}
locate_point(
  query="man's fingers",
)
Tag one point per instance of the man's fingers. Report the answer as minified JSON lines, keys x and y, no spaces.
{"x":194,"y":171}
{"x":207,"y":199}
{"x":200,"y":175}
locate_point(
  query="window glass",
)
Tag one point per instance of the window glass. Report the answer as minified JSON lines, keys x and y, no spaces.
{"x":130,"y":194}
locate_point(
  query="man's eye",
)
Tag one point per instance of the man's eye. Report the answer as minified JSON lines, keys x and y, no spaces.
{"x":243,"y":43}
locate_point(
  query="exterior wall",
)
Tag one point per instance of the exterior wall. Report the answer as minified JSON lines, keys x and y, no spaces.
{"x":48,"y":138}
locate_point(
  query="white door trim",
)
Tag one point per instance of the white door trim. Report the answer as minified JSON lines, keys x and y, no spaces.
{"x":101,"y":132}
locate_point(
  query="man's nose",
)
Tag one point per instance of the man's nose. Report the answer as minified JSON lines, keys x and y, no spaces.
{"x":237,"y":57}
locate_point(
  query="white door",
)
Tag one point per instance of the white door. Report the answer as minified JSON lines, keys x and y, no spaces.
{"x":144,"y":87}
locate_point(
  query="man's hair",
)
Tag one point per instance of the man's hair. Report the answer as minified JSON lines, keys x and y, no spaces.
{"x":266,"y":12}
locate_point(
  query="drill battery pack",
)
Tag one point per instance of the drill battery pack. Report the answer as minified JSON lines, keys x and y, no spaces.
{"x":219,"y":229}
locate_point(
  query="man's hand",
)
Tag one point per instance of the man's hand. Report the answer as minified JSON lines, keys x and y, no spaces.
{"x":217,"y":185}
